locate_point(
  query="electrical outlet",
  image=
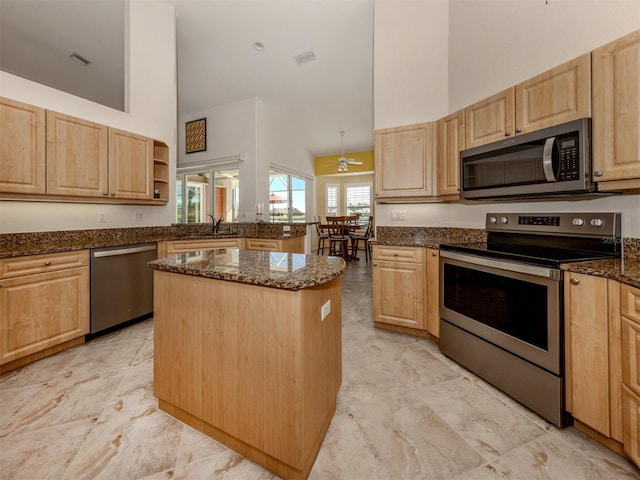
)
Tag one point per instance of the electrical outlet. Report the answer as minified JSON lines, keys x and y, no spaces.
{"x":399,"y":215}
{"x":286,"y":228}
{"x":137,"y":216}
{"x":326,"y":309}
{"x":102,"y":217}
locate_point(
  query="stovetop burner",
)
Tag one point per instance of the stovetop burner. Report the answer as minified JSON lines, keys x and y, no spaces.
{"x":549,"y":239}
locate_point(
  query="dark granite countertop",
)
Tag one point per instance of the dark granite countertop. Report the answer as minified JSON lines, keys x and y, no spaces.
{"x":287,"y":271}
{"x":625,"y":270}
{"x":429,"y":237}
{"x":37,"y":243}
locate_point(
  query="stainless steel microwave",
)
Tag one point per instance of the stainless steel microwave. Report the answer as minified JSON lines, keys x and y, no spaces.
{"x":549,"y":162}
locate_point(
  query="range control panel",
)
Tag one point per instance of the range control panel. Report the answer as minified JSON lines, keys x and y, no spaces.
{"x":604,"y":224}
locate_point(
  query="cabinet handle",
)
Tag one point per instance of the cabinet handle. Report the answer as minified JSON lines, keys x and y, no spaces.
{"x":574,"y":281}
{"x":47,"y":263}
{"x":597,"y":173}
{"x":506,"y":134}
{"x":518,"y":130}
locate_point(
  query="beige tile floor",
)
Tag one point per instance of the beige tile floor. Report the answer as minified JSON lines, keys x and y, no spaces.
{"x":404,"y":412}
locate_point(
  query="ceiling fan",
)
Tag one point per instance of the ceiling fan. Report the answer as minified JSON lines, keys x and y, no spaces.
{"x":342,"y":161}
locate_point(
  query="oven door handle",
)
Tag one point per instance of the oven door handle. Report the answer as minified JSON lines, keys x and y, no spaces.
{"x":537,"y":271}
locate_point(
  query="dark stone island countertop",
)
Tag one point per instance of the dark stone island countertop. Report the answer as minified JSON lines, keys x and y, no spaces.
{"x":286,"y":271}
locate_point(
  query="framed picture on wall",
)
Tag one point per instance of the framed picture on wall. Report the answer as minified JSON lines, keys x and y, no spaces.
{"x":196,"y":135}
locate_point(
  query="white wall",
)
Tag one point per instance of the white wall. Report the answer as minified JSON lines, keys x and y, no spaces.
{"x":410,"y":61}
{"x":493,"y":44}
{"x":152,"y":112}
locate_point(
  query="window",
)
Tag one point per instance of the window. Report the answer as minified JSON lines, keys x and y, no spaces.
{"x":209,"y":190}
{"x":358,"y":197}
{"x":287,"y":197}
{"x":331,"y":197}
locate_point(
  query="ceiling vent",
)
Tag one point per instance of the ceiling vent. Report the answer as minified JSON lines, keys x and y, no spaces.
{"x":305,"y":57}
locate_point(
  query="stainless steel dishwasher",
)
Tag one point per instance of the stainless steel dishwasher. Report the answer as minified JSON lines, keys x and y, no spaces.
{"x":121,"y":285}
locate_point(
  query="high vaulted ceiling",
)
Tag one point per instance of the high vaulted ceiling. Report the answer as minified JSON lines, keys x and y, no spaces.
{"x":217,"y":63}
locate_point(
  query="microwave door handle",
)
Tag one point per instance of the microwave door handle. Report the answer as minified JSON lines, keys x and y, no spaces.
{"x":547,"y":159}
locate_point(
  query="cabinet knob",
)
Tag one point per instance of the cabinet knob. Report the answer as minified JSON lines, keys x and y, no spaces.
{"x":574,"y":281}
{"x":395,"y":254}
{"x":375,"y":264}
{"x":597,"y":173}
{"x":47,"y":263}
{"x":105,"y":193}
{"x":113,"y":194}
{"x":518,"y":130}
{"x":434,"y":254}
{"x":506,"y":134}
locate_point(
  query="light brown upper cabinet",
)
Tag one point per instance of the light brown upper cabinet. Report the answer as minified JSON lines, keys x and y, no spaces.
{"x":405,"y":161}
{"x":77,"y":156}
{"x":556,"y":96}
{"x":491,"y":119}
{"x":450,"y":143}
{"x":130,"y":165}
{"x":88,"y":159}
{"x":22,"y":149}
{"x":616,"y":113}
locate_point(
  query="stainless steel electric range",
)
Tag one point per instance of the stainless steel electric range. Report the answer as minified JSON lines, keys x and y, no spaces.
{"x":501,"y":302}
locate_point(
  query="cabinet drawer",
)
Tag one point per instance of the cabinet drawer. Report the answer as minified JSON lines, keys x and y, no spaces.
{"x":400,"y":254}
{"x":191,"y":245}
{"x":263,"y":244}
{"x":630,"y":302}
{"x":31,"y":264}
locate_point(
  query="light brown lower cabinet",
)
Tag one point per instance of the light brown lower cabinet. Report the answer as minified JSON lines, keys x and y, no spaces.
{"x":44,"y":304}
{"x":593,"y":356}
{"x":630,"y":317}
{"x":288,"y":245}
{"x":181,"y":246}
{"x":406,"y":289}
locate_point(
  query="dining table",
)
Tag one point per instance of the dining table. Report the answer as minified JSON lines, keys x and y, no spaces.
{"x":347,"y":224}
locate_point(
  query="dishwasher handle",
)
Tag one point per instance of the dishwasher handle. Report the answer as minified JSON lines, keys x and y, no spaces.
{"x":122,"y":251}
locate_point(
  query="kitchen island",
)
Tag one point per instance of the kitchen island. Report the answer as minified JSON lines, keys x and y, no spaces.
{"x":248,"y":350}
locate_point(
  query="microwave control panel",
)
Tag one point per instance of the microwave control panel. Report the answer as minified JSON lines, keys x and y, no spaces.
{"x":569,"y":168}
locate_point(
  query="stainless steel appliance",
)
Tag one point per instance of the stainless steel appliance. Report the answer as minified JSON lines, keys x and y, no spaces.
{"x":501,"y":302}
{"x":121,"y":285}
{"x":549,"y":162}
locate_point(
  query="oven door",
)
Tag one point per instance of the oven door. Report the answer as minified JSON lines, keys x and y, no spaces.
{"x":514,"y":306}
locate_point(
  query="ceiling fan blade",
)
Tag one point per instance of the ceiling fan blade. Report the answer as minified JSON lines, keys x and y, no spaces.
{"x":351,"y":161}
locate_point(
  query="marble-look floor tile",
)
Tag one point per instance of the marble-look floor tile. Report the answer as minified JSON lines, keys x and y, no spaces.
{"x":347,"y":453}
{"x":545,"y":458}
{"x":135,"y":390}
{"x":64,"y":401}
{"x":223,"y":466}
{"x":195,"y":446}
{"x":393,"y":370}
{"x":412,"y":439}
{"x":482,"y":419}
{"x":44,"y":454}
{"x":43,"y":370}
{"x":104,"y":356}
{"x":13,"y":400}
{"x":134,"y":444}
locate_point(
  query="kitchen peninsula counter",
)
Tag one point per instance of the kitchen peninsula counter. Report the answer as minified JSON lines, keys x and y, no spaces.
{"x":248,"y":350}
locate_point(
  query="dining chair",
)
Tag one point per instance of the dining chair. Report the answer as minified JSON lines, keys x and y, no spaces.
{"x":322,"y":236}
{"x":358,"y":238}
{"x":338,"y":240}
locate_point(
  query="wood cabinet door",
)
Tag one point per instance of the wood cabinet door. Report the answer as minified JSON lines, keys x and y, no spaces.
{"x":587,"y":350}
{"x":130,"y":165}
{"x":41,"y":311}
{"x":433,"y":292}
{"x":616,"y":109}
{"x":404,"y":158}
{"x":77,"y":157}
{"x":631,"y":416}
{"x":491,"y":119}
{"x":22,"y":149}
{"x":399,"y":293}
{"x":556,"y":96}
{"x":450,"y":143}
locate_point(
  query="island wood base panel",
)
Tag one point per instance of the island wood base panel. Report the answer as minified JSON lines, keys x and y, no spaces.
{"x":256,"y":368}
{"x":270,"y":463}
